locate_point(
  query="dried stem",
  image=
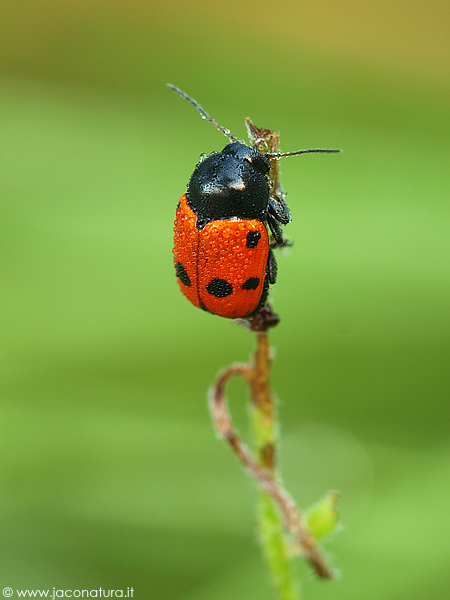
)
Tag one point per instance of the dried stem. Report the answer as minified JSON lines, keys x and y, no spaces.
{"x":263,"y":468}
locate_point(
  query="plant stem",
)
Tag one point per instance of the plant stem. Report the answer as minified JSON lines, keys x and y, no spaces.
{"x":277,"y":510}
{"x":263,"y":419}
{"x":276,"y":552}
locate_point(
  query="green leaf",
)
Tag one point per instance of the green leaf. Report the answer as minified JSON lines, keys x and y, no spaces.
{"x":322,"y":518}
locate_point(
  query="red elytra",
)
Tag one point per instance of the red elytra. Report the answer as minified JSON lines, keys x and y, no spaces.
{"x":221,"y":267}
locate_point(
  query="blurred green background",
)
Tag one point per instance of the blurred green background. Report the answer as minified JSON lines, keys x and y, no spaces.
{"x":111,"y":474}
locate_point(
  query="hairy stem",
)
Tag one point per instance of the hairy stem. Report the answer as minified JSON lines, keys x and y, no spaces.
{"x":263,"y":417}
{"x":277,"y":511}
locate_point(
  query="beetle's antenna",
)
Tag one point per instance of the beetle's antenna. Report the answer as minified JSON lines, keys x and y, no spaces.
{"x":204,"y":114}
{"x":277,"y":155}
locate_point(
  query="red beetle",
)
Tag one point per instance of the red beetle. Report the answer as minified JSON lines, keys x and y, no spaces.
{"x":222,"y":251}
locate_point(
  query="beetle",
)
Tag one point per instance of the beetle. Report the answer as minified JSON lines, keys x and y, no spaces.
{"x":222,"y":251}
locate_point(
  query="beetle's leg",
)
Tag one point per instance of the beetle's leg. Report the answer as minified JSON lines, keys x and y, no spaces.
{"x":275,"y":228}
{"x":279,"y":209}
{"x":286,"y":243}
{"x":272,"y":268}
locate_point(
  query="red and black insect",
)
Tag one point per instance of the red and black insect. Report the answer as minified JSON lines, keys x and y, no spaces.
{"x":222,"y":249}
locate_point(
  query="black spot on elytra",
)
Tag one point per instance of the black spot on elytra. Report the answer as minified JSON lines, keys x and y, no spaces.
{"x":253,"y":238}
{"x":251,"y":284}
{"x":182,"y":274}
{"x":219,"y":288}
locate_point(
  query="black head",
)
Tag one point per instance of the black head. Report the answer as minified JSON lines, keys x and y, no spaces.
{"x":234,"y":182}
{"x":249,"y":154}
{"x":231,"y":183}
